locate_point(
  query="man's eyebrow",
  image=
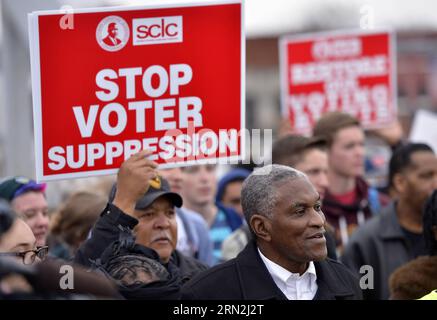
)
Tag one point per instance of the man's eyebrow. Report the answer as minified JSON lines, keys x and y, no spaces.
{"x":303,"y":204}
{"x":20,"y":246}
{"x":297,"y":205}
{"x":30,"y":211}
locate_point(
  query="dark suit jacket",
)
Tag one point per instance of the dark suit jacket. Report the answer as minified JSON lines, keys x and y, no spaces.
{"x":247,"y":278}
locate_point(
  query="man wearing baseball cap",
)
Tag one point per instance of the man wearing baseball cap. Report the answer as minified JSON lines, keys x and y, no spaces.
{"x":142,"y":202}
{"x":28,"y":200}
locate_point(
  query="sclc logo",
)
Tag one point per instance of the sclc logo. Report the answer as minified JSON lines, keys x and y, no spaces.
{"x":112,"y":33}
{"x":157,"y":30}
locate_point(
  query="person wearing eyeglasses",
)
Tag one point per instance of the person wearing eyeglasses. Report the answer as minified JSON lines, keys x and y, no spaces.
{"x":39,"y":280}
{"x":27,"y":198}
{"x":20,"y":243}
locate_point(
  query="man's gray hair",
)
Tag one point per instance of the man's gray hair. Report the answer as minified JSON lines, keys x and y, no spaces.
{"x":258,"y":193}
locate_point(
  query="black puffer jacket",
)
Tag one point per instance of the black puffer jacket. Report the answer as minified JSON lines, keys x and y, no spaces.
{"x":124,"y":256}
{"x":107,"y":230}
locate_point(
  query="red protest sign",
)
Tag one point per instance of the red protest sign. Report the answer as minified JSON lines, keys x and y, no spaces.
{"x":168,"y":78}
{"x":351,"y":72}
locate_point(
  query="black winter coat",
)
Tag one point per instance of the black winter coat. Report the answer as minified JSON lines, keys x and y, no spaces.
{"x":247,"y":278}
{"x":107,"y":230}
{"x":381,"y":244}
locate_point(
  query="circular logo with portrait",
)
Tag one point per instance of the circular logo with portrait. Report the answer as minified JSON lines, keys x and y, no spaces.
{"x":112,"y":33}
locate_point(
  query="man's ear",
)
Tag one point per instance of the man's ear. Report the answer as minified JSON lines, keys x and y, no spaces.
{"x":261,"y":227}
{"x":399,"y":182}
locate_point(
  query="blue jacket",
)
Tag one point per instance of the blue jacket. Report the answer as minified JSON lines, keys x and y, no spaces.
{"x":197,"y":234}
{"x":232,"y":217}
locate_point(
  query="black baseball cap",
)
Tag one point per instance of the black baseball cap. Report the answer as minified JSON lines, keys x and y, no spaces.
{"x":158,"y":189}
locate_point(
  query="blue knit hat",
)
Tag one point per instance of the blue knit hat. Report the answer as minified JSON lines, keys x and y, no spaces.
{"x":233,"y":175}
{"x":11,"y":188}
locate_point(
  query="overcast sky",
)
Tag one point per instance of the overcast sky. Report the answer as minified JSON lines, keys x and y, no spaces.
{"x":276,"y":17}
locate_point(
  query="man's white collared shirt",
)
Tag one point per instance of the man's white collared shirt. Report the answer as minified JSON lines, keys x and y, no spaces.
{"x":293,"y":285}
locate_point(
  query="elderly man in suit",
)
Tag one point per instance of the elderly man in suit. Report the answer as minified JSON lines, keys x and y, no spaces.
{"x":287,"y":258}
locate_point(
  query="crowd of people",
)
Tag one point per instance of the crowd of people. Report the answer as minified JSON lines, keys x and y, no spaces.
{"x":300,"y":228}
